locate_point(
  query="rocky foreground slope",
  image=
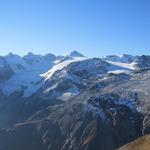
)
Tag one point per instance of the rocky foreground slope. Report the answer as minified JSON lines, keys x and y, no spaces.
{"x":79,"y":104}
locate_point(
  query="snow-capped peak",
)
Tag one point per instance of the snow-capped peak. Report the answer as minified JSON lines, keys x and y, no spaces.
{"x":76,"y":54}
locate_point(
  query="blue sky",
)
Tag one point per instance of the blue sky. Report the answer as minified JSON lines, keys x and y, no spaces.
{"x":92,"y":27}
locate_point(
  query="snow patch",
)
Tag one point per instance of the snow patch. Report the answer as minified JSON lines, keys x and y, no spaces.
{"x":119,"y":71}
{"x":126,"y":66}
{"x":72,"y":92}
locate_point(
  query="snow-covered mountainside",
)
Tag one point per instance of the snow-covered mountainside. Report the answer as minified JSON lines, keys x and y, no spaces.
{"x":25,"y":74}
{"x":73,"y":102}
{"x":26,"y":71}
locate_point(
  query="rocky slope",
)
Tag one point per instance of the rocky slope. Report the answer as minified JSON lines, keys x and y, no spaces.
{"x":79,"y":104}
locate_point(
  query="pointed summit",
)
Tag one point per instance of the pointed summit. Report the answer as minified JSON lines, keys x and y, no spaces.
{"x":76,"y":54}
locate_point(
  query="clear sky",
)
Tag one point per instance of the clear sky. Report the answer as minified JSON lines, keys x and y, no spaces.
{"x":92,"y":27}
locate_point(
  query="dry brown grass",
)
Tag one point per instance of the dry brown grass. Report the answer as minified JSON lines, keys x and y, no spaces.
{"x":140,"y":144}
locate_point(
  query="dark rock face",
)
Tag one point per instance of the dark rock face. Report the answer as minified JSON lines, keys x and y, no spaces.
{"x":146,"y":124}
{"x":72,"y":128}
{"x":22,"y":137}
{"x":5,"y":74}
{"x":5,"y":70}
{"x":143,"y":61}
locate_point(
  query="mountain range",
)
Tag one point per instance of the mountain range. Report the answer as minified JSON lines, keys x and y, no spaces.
{"x":73,"y":102}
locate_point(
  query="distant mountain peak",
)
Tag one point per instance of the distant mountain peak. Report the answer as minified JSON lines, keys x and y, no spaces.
{"x":76,"y":54}
{"x":125,"y":58}
{"x":30,"y":54}
{"x":12,"y":55}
